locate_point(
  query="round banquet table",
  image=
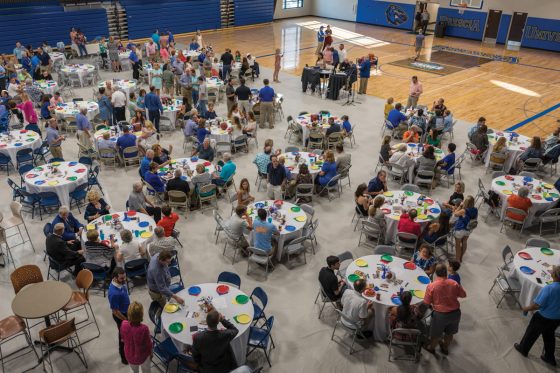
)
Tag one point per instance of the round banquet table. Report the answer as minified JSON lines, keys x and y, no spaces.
{"x":124,"y":55}
{"x":312,"y":161}
{"x":69,"y":175}
{"x":515,"y":146}
{"x":46,"y":86}
{"x":190,"y":53}
{"x":393,"y":209}
{"x":81,"y":69}
{"x":538,"y":260}
{"x":296,"y":219}
{"x":41,"y":299}
{"x":124,"y":84}
{"x":225,"y":304}
{"x":170,"y":110}
{"x":305,"y":122}
{"x":18,"y":140}
{"x":141,"y":225}
{"x":214,"y":83}
{"x":414,"y":152}
{"x":57,"y":58}
{"x":406,"y":275}
{"x":71,"y":109}
{"x":543,"y":200}
{"x":217,"y":134}
{"x":187,"y":165}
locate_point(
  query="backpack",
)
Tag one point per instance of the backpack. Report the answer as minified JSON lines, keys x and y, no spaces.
{"x":493,"y":199}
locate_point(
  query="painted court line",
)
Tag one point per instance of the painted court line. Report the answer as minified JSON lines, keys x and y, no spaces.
{"x":534,"y":117}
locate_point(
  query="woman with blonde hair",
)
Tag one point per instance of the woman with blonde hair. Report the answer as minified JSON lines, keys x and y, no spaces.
{"x":157,"y":74}
{"x":388,"y":106}
{"x":235,"y":112}
{"x":161,"y":155}
{"x":244,"y":196}
{"x":130,"y":249}
{"x":137,"y":340}
{"x":466,"y":214}
{"x":148,"y":136}
{"x":328,"y":169}
{"x":96,"y":206}
{"x":499,"y":151}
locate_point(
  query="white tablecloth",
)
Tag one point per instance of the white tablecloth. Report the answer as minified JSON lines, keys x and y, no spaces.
{"x":46,"y":86}
{"x":214,"y":83}
{"x":414,"y":152}
{"x":225,"y":304}
{"x":393,"y":209}
{"x":82,"y":69}
{"x":126,"y":85}
{"x":407,"y":279}
{"x":312,"y":161}
{"x":285,"y":234}
{"x":538,"y":262}
{"x":140,"y":233}
{"x":70,"y":174}
{"x":217,"y":134}
{"x":70,"y":109}
{"x":124,"y":55}
{"x":514,"y":148}
{"x":188,"y":164}
{"x":57,"y":58}
{"x":170,"y":111}
{"x":18,"y":140}
{"x":305,"y":123}
{"x":506,"y":185}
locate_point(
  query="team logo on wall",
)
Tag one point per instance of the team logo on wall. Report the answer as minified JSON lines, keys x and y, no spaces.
{"x":426,"y":65}
{"x":395,"y":15}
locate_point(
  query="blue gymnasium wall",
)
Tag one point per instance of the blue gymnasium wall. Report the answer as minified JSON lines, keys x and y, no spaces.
{"x":248,"y":12}
{"x":542,"y":33}
{"x":40,"y":21}
{"x":177,"y":16}
{"x":469,"y":25}
{"x":388,"y":14}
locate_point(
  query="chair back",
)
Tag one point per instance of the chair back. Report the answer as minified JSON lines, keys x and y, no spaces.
{"x":107,"y":153}
{"x":130,"y":152}
{"x":349,"y":324}
{"x":47,"y":229}
{"x":384,"y":249}
{"x":304,"y":190}
{"x":177,"y":197}
{"x":532,"y":164}
{"x":25,"y":275}
{"x":537,"y":242}
{"x":515,"y":211}
{"x":257,"y":251}
{"x":86,"y":160}
{"x":309,"y":210}
{"x":406,"y":239}
{"x":527,"y":173}
{"x":290,"y":149}
{"x":58,"y":333}
{"x":410,"y":188}
{"x":496,"y":174}
{"x":507,"y":255}
{"x":207,"y":189}
{"x":230,"y":278}
{"x":84,"y":280}
{"x":347,"y":255}
{"x":261,"y":295}
{"x":15,"y":207}
{"x":23,"y":169}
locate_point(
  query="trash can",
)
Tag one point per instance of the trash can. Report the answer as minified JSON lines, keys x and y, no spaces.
{"x":440,"y":29}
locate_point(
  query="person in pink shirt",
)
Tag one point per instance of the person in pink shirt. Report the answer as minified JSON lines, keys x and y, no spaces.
{"x":56,"y":99}
{"x":408,"y":225}
{"x":151,"y":50}
{"x":27,"y":108}
{"x":328,"y":56}
{"x":137,"y":341}
{"x":414,"y":92}
{"x":164,"y":53}
{"x":442,"y":295}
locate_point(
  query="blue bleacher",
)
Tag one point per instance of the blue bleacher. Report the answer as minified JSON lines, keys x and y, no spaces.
{"x":178,"y":16}
{"x":249,"y":12}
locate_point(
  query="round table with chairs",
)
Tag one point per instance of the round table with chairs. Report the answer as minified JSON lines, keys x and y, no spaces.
{"x":221,"y":136}
{"x":123,"y":84}
{"x":41,"y":299}
{"x":170,"y":109}
{"x":385,"y":276}
{"x":46,"y":86}
{"x":190,"y":53}
{"x":71,"y":109}
{"x":543,"y":195}
{"x":516,"y":144}
{"x":290,"y":224}
{"x":57,"y":58}
{"x":181,"y":322}
{"x":414,"y":152}
{"x":57,"y":177}
{"x":532,"y":267}
{"x":141,"y":225}
{"x":398,"y":201}
{"x":14,"y":141}
{"x":188,"y":165}
{"x":82,"y":69}
{"x":214,"y":83}
{"x":295,"y":159}
{"x":306,"y":121}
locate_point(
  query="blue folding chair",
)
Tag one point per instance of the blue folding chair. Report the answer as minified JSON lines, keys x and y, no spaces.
{"x":47,"y":230}
{"x":48,"y":201}
{"x":15,"y":189}
{"x":41,"y":153}
{"x":176,"y":286}
{"x":24,"y":156}
{"x":186,"y":364}
{"x":5,"y":161}
{"x":164,"y":351}
{"x":29,"y":200}
{"x":155,"y":315}
{"x":22,"y":170}
{"x":55,"y":159}
{"x":260,"y":338}
{"x":93,"y":179}
{"x":259,"y":296}
{"x":78,"y":196}
{"x":100,"y":275}
{"x":57,"y":267}
{"x":86,"y":160}
{"x":230,"y":278}
{"x":135,"y":268}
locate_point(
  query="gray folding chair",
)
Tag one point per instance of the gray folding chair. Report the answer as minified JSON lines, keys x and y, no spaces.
{"x":508,"y":286}
{"x":384,"y":249}
{"x":507,"y":219}
{"x":261,"y":257}
{"x":350,"y":327}
{"x":549,"y":216}
{"x":411,"y":188}
{"x":409,"y":340}
{"x":370,"y":230}
{"x":405,"y":240}
{"x":296,"y":247}
{"x":537,"y":242}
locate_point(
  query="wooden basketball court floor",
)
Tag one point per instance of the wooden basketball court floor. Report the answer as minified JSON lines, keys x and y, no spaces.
{"x":505,"y":93}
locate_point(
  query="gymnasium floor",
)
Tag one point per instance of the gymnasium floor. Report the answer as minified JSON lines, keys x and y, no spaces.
{"x":303,"y":345}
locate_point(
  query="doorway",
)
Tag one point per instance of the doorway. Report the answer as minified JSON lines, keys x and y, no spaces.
{"x":432,"y":9}
{"x":492,"y":26}
{"x":516,"y":29}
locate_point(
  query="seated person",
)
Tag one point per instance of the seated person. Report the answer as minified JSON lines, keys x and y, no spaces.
{"x":437,"y":229}
{"x":58,"y":249}
{"x":244,"y":196}
{"x":159,"y":242}
{"x":137,"y":121}
{"x":153,"y":179}
{"x":412,"y":135}
{"x":388,"y":106}
{"x":446,"y":164}
{"x":332,"y":285}
{"x":227,"y":172}
{"x":535,"y":150}
{"x":407,"y":223}
{"x":480,"y":139}
{"x":178,"y":183}
{"x":476,"y":127}
{"x":552,"y":154}
{"x":439,"y":105}
{"x":433,"y":138}
{"x":126,"y":140}
{"x":552,"y":140}
{"x":201,"y":178}
{"x":98,"y":252}
{"x":419,"y":120}
{"x":355,"y":307}
{"x":168,"y":220}
{"x":427,"y":162}
{"x":405,"y":316}
{"x":447,"y":121}
{"x":251,"y":125}
{"x":346,"y":125}
{"x":210,"y":112}
{"x":385,"y":152}
{"x":96,"y":206}
{"x":205,"y":151}
{"x":72,"y":227}
{"x":328,"y":169}
{"x":334,"y":127}
{"x":106,"y":143}
{"x":499,"y":151}
{"x":400,"y":156}
{"x":396,"y":117}
{"x":457,"y":197}
{"x":238,"y":224}
{"x":130,"y":249}
{"x":425,"y":259}
{"x":137,"y":201}
{"x":263,"y":232}
{"x":202,"y":131}
{"x":520,"y":201}
{"x":262,"y":159}
{"x":191,"y":126}
{"x":377,"y":185}
{"x":161,"y":155}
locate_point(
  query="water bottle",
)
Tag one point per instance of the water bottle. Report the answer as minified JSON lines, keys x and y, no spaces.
{"x":401,"y":291}
{"x":101,"y":235}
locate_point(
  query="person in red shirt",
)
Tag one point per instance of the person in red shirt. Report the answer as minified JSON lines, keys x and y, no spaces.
{"x":520,"y":201}
{"x":442,"y":295}
{"x":408,"y":225}
{"x":168,"y":220}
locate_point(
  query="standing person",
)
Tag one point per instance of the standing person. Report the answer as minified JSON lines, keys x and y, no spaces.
{"x":230,"y":94}
{"x":266,"y":98}
{"x":211,"y":348}
{"x":545,"y":320}
{"x":186,"y":84}
{"x":119,"y":302}
{"x":156,"y":38}
{"x":178,"y":68}
{"x":54,"y":139}
{"x":18,"y":51}
{"x":159,"y":279}
{"x":154,"y":106}
{"x":341,"y":53}
{"x":156,"y":78}
{"x":137,"y":340}
{"x":425,"y":20}
{"x":414,"y":92}
{"x":244,"y":95}
{"x":418,"y":44}
{"x":442,"y":295}
{"x":320,"y":39}
{"x":365,"y":67}
{"x":84,"y":128}
{"x":118,"y":100}
{"x":227,"y":59}
{"x":277,"y":62}
{"x":202,"y":96}
{"x":276,"y":178}
{"x":136,"y":63}
{"x":113,"y":47}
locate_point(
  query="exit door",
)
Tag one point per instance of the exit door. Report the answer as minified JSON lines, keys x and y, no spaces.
{"x":492,"y":26}
{"x":516,"y":30}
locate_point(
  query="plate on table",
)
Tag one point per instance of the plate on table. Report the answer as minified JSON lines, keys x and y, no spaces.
{"x":396,"y":300}
{"x":72,"y":163}
{"x":39,"y":182}
{"x":536,"y":197}
{"x":143,"y":224}
{"x":81,"y":170}
{"x":259,"y":205}
{"x":547,"y":186}
{"x":146,"y":234}
{"x":243,"y":318}
{"x":386,"y":258}
{"x":242,"y":299}
{"x":423,"y":279}
{"x":222,"y":289}
{"x":18,"y":144}
{"x":171,"y":308}
{"x":31,"y":176}
{"x":386,"y":211}
{"x":388,"y":194}
{"x":422,"y":216}
{"x":429,"y":201}
{"x":500,"y":183}
{"x":509,"y":177}
{"x":72,"y":178}
{"x":527,"y":179}
{"x":409,"y":265}
{"x":408,"y":193}
{"x":434,"y":210}
{"x":295,"y":209}
{"x":524,"y":255}
{"x":300,"y":219}
{"x":52,"y":183}
{"x":507,"y":192}
{"x":55,"y":164}
{"x":194,"y":290}
{"x":527,"y":270}
{"x":131,"y":213}
{"x":290,"y":228}
{"x":547,"y":251}
{"x":418,"y":293}
{"x":353,"y":277}
{"x":361,"y":263}
{"x":554,"y":195}
{"x":176,"y":327}
{"x":206,"y":164}
{"x":369,"y":292}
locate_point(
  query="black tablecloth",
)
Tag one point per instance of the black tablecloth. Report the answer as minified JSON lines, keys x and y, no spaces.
{"x":336,"y":82}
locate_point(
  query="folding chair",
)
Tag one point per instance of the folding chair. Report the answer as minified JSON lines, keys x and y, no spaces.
{"x":370,"y":230}
{"x":511,"y":220}
{"x":349,"y":326}
{"x":508,"y":286}
{"x":405,"y":339}
{"x":324,"y":300}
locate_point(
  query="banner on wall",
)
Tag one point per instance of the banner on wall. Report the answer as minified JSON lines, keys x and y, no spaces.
{"x":542,"y":34}
{"x":468,"y":25}
{"x":383,"y":13}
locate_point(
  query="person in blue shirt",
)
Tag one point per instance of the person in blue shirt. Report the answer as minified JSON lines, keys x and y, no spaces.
{"x":446,"y":164}
{"x":320,"y":39}
{"x":136,"y":63}
{"x":328,"y":169}
{"x":154,"y":106}
{"x":119,"y":302}
{"x":126,"y":140}
{"x":365,"y":67}
{"x":336,"y":57}
{"x":194,"y":46}
{"x":72,"y":227}
{"x":105,"y":107}
{"x":228,"y":170}
{"x":35,"y":63}
{"x":266,"y":98}
{"x":18,"y":51}
{"x":465,"y":213}
{"x":264,"y":231}
{"x":346,"y":124}
{"x":396,"y":117}
{"x":156,"y":37}
{"x":545,"y":320}
{"x":45,"y":111}
{"x":201,"y":131}
{"x":153,"y":179}
{"x":146,"y":161}
{"x":377,"y":185}
{"x":170,"y":37}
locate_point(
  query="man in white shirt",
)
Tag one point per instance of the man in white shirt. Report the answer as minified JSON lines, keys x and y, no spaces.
{"x":118,"y":100}
{"x":158,"y":242}
{"x":13,"y":87}
{"x":341,"y":52}
{"x":355,"y":307}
